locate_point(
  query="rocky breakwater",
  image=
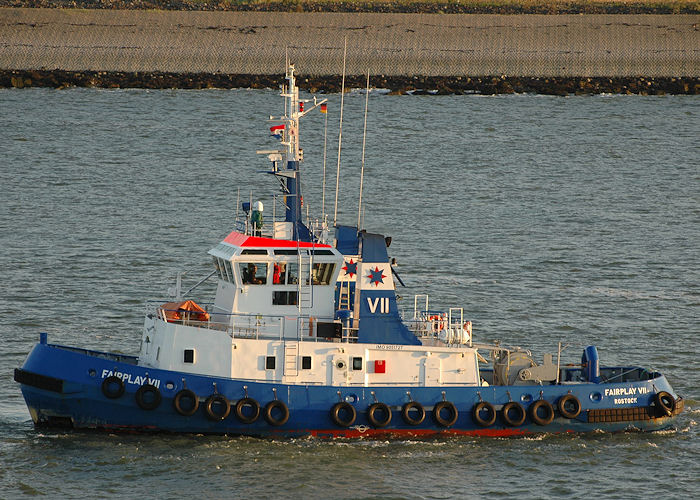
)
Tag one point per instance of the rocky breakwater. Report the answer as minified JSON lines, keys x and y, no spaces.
{"x":331,"y":84}
{"x":384,"y":6}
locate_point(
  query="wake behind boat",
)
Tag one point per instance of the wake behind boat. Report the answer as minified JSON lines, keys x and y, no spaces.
{"x":304,"y":337}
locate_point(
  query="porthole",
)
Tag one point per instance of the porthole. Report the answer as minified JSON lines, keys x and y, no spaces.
{"x":596,"y":397}
{"x":526,"y":398}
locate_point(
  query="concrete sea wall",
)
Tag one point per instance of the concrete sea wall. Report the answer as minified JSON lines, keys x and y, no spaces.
{"x":448,"y":53}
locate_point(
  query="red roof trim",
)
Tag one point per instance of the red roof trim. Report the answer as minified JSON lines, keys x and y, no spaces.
{"x":242,"y":240}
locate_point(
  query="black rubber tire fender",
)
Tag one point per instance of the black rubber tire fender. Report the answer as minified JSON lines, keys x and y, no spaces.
{"x":451,"y":408}
{"x":209,"y":407}
{"x":410,"y":407}
{"x":565,"y":401}
{"x":337,"y":408}
{"x":253,"y":404}
{"x":141,"y":397}
{"x":107,"y":387}
{"x":665,"y":403}
{"x":382,"y":409}
{"x":270,"y":418}
{"x":186,"y":394}
{"x":549,"y":412}
{"x":484,"y":406}
{"x":516,"y":408}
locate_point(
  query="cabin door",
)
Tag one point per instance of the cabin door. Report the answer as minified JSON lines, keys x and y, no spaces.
{"x":432,"y":368}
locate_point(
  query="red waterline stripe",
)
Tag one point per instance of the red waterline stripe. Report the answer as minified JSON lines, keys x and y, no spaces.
{"x":356,"y":433}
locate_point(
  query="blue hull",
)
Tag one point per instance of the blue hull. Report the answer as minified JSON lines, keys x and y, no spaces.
{"x":63,"y":386}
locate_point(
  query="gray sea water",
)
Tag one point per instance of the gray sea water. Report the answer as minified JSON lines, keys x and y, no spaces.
{"x":548,"y":219}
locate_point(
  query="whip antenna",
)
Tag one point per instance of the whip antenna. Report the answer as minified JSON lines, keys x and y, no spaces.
{"x":323,"y":185}
{"x":364,"y":141}
{"x":340,"y":134}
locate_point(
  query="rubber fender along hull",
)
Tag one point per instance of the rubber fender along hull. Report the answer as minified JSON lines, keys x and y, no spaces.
{"x":79,"y":375}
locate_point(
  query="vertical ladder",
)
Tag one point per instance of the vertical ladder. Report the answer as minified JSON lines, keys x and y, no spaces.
{"x":417,"y":313}
{"x":291,"y":358}
{"x":456,"y":317}
{"x":305,"y":286}
{"x":344,"y":295}
{"x":455,"y":320}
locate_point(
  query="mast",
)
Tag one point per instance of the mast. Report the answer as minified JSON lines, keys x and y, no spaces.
{"x":291,"y":155}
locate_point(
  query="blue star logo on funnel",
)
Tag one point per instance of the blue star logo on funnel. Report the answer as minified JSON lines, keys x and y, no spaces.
{"x":350,"y":268}
{"x":376,"y":276}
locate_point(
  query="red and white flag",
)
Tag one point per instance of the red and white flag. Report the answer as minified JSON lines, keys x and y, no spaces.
{"x":277,"y":131}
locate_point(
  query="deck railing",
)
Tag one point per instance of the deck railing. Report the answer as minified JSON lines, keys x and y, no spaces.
{"x":448,"y":327}
{"x":255,"y":326}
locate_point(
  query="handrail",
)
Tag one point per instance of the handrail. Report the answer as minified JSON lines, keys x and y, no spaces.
{"x":267,"y":230}
{"x":244,"y":325}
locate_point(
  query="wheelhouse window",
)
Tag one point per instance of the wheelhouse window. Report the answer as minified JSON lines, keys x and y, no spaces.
{"x":253,"y":273}
{"x":219,"y":270}
{"x":229,"y":270}
{"x":284,"y":298}
{"x":279,"y":273}
{"x":292,"y":273}
{"x":322,"y":273}
{"x":224,"y":269}
{"x":285,"y":273}
{"x":254,"y":252}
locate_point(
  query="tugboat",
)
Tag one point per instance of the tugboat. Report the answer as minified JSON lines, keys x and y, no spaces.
{"x":304,"y":337}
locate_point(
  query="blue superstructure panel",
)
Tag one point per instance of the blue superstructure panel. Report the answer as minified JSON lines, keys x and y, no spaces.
{"x":374,"y":248}
{"x":347,"y":240}
{"x":380,"y":322}
{"x":301,"y":232}
{"x":293,"y":199}
{"x":293,"y":212}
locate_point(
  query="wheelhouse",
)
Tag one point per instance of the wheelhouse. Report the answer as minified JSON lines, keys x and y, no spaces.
{"x":267,"y":276}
